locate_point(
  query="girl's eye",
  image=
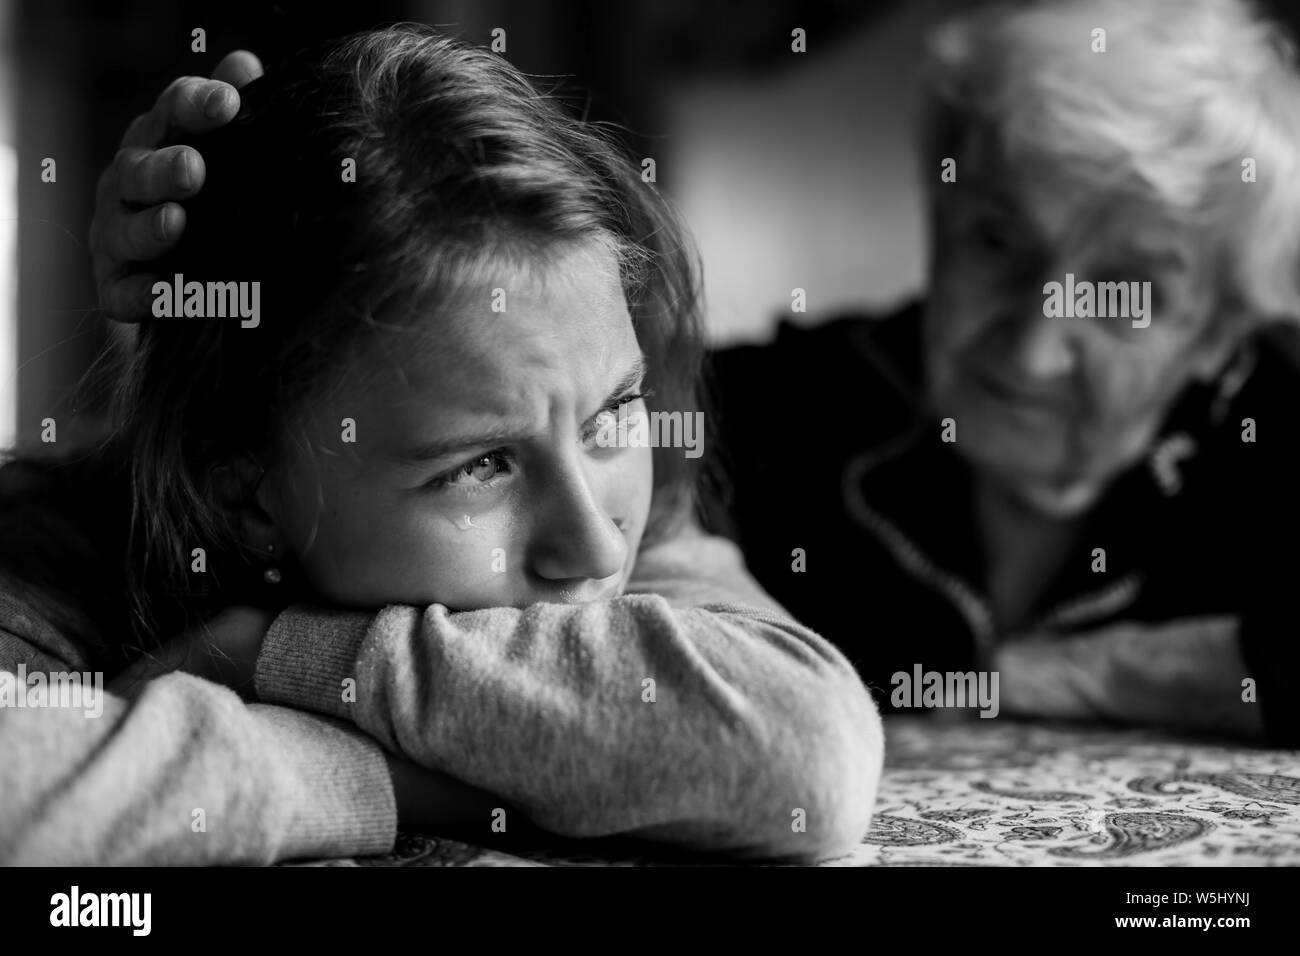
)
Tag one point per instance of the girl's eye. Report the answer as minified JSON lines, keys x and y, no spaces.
{"x":481,"y":471}
{"x":607,"y":419}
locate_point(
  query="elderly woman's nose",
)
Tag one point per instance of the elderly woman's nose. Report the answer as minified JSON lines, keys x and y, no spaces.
{"x":578,"y":533}
{"x":1042,"y":347}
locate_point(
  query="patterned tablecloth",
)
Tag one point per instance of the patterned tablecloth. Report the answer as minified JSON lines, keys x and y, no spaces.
{"x":1005,"y":793}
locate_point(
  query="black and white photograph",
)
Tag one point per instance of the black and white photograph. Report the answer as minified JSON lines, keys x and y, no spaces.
{"x":708,"y":437}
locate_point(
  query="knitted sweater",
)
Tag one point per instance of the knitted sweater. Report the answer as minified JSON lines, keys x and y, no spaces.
{"x":692,"y":709}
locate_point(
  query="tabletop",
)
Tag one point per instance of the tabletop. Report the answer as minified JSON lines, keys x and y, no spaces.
{"x":1001,"y":792}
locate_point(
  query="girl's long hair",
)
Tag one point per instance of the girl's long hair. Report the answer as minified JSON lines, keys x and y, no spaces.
{"x":359,"y":179}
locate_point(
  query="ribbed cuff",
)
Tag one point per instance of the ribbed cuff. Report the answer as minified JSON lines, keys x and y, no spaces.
{"x":308,"y":655}
{"x":341,"y":789}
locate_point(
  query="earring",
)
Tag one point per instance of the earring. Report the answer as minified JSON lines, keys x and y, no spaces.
{"x":272,"y":574}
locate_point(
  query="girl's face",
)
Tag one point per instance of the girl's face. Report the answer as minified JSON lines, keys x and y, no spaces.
{"x":472,"y":477}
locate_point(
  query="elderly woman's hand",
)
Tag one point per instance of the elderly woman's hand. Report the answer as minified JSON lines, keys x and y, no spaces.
{"x":1053,"y":677}
{"x":137,"y":214}
{"x":1186,"y":673}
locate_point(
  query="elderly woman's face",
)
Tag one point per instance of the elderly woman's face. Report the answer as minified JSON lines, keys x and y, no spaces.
{"x":1053,"y":407}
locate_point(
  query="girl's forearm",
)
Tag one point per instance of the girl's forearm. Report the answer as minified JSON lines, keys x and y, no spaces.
{"x":186,"y":774}
{"x":721,"y":727}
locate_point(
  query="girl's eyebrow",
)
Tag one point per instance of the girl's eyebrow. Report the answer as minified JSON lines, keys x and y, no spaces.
{"x":506,"y":435}
{"x":450,"y":446}
{"x":630,"y":380}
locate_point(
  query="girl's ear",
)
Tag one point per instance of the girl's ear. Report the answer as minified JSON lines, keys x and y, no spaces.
{"x":240,"y":491}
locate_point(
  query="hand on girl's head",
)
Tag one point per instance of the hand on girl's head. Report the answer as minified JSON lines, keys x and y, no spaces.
{"x":474,"y":480}
{"x":148,"y":172}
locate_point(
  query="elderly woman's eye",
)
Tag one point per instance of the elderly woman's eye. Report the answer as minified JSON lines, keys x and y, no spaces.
{"x":991,"y":236}
{"x":987,"y":234}
{"x":1151,"y":290}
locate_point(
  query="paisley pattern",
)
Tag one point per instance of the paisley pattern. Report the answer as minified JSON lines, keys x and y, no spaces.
{"x":1127,"y":834}
{"x":899,"y":831}
{"x":1258,"y":786}
{"x":1005,"y":793}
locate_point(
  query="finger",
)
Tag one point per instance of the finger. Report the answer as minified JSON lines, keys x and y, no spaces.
{"x":140,"y":236}
{"x":237,"y":68}
{"x":151,"y":176}
{"x":190,"y":104}
{"x":128,"y":298}
{"x":195,"y":105}
{"x":153,"y":128}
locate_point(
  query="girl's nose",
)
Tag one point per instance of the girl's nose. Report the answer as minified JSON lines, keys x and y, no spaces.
{"x":575,"y":537}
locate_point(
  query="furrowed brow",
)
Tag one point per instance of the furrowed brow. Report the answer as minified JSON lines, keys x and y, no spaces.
{"x":509,"y":434}
{"x":445,"y":448}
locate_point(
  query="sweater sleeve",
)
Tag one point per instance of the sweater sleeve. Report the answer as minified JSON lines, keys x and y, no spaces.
{"x":112,"y":781}
{"x":690,"y":710}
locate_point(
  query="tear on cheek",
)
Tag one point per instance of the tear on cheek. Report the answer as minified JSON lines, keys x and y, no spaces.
{"x":467,"y":522}
{"x":497,"y":520}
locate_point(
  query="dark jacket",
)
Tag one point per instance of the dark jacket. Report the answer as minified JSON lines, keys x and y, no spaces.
{"x":826,"y":447}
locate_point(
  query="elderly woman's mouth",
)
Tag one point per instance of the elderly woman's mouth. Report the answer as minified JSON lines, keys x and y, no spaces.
{"x":1029,"y":399}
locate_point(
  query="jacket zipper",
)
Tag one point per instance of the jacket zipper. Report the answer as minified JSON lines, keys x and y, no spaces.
{"x":973,"y":609}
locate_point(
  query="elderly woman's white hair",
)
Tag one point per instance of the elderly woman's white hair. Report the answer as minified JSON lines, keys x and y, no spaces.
{"x":1185,"y":91}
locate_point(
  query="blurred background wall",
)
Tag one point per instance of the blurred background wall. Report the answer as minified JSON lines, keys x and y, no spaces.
{"x":793,"y":170}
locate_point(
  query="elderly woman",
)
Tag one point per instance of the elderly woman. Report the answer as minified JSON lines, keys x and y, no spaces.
{"x":1072,"y":484}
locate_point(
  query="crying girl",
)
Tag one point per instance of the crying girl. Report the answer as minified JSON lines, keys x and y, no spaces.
{"x":429,"y":592}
